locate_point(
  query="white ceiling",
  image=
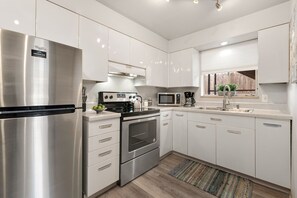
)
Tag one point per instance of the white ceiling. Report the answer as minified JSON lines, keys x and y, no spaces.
{"x":180,"y":17}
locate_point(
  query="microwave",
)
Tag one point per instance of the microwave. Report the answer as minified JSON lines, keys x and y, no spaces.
{"x":169,"y":99}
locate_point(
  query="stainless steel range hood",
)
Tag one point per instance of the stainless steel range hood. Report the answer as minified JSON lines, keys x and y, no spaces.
{"x":125,"y":70}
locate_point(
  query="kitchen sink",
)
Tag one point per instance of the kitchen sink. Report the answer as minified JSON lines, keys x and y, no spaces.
{"x":241,"y":110}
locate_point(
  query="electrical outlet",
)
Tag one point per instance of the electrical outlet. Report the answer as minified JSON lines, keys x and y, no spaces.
{"x":264,"y":98}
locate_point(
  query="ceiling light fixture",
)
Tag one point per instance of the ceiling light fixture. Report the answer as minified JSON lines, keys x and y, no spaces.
{"x":224,"y":43}
{"x":219,"y":6}
{"x":196,"y":1}
{"x":167,"y":0}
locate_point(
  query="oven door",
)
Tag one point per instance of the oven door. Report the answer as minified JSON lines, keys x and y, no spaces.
{"x":140,"y":134}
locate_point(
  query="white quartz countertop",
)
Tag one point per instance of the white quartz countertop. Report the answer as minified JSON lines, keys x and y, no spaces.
{"x":257,"y":113}
{"x":91,"y":115}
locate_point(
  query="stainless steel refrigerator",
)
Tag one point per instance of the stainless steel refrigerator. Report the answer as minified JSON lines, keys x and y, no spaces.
{"x":40,"y":118}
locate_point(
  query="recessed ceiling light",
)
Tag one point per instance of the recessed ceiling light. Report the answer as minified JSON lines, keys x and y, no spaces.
{"x":196,"y":1}
{"x":17,"y":22}
{"x":167,"y":0}
{"x":224,"y":43}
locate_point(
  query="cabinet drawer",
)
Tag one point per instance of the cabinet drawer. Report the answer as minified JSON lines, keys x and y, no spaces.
{"x":103,"y":140}
{"x":241,"y":122}
{"x":167,"y":115}
{"x":104,"y":126}
{"x":103,"y":154}
{"x":102,"y":175}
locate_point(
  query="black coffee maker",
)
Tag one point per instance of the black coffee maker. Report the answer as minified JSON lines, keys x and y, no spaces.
{"x":189,"y":99}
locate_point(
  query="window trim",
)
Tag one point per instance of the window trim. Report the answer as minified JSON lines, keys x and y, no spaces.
{"x":202,"y":94}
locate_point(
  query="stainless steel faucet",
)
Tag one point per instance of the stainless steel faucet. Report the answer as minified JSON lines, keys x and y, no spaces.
{"x":225,"y":103}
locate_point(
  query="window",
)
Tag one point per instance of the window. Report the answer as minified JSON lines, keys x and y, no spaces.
{"x":245,"y":80}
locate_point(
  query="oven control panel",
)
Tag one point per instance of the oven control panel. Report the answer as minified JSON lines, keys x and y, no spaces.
{"x":116,"y":96}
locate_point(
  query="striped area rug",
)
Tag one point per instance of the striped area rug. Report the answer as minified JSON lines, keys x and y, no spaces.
{"x":216,"y":182}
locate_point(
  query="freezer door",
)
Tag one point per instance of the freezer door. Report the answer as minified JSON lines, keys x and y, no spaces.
{"x":34,"y":71}
{"x":40,"y":157}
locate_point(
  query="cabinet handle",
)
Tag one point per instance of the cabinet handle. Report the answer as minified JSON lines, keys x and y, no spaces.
{"x":105,"y":153}
{"x":272,"y":125}
{"x":234,"y":132}
{"x":179,"y":115}
{"x":215,"y":119}
{"x":165,"y":124}
{"x":105,"y":126}
{"x":165,"y":115}
{"x":104,"y":167}
{"x":200,"y":127}
{"x":105,"y":140}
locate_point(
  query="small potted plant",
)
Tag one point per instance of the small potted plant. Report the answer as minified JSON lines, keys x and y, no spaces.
{"x":221,"y":89}
{"x":232,"y":86}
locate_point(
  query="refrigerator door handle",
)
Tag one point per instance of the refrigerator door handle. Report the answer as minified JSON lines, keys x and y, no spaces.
{"x":37,"y":110}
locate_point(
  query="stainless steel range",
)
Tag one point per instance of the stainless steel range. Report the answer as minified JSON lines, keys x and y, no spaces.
{"x":140,"y":134}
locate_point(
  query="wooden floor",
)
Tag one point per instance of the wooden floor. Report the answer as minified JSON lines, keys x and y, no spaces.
{"x":157,"y":183}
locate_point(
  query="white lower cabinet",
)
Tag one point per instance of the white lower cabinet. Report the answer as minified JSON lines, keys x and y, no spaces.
{"x":165,"y":133}
{"x":101,"y":154}
{"x":180,"y":132}
{"x":236,"y":149}
{"x":273,"y":151}
{"x":202,"y":141}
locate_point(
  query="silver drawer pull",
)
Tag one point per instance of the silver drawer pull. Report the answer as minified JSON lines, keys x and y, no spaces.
{"x":234,"y":132}
{"x":200,"y":127}
{"x":272,"y":125}
{"x":105,"y":126}
{"x":215,"y":119}
{"x":105,"y":140}
{"x":165,"y":124}
{"x":165,"y":115}
{"x":179,"y":115}
{"x":105,"y":153}
{"x":104,"y":167}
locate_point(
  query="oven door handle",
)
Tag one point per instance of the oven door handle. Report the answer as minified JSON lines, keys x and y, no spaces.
{"x":140,"y":117}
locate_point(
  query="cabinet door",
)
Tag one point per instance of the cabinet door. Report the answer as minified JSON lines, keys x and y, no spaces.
{"x":273,"y":46}
{"x":236,"y":149}
{"x":165,"y":137}
{"x":138,"y":53}
{"x":162,"y":70}
{"x":180,"y":132}
{"x":184,"y":68}
{"x":273,"y":151}
{"x":93,"y":40}
{"x":18,"y":16}
{"x":71,"y":5}
{"x":119,"y":47}
{"x":56,"y":24}
{"x":202,"y":141}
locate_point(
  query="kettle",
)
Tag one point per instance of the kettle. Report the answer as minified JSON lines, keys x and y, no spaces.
{"x":138,"y":102}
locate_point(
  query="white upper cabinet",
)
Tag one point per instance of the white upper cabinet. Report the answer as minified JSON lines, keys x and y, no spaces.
{"x":156,"y":69}
{"x":93,"y":40}
{"x":274,"y":55}
{"x":56,"y":24}
{"x":138,"y":53}
{"x":184,"y":68}
{"x":18,"y":16}
{"x":71,"y":5}
{"x":119,"y":47}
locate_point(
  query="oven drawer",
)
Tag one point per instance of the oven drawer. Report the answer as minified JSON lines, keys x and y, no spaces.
{"x":166,"y":115}
{"x":103,"y":126}
{"x":103,"y":140}
{"x":102,"y":175}
{"x":103,"y":154}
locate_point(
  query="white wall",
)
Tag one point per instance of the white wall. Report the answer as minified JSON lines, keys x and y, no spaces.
{"x":104,"y":15}
{"x":242,"y":26}
{"x":292,"y":102}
